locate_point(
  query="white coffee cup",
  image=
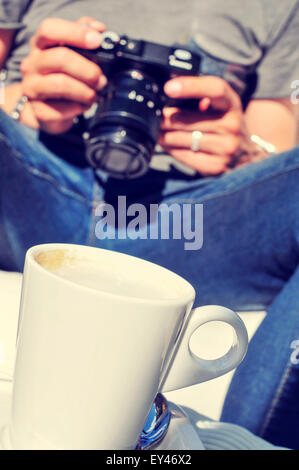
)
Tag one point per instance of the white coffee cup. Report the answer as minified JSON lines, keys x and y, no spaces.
{"x":91,"y":356}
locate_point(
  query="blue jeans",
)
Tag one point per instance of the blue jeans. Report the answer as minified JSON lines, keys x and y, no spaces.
{"x":248,"y":261}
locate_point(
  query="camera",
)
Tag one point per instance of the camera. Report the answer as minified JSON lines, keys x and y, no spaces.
{"x":123,"y":132}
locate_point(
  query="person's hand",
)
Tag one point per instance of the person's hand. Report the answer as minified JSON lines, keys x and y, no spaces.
{"x":60,"y":83}
{"x":220,"y":119}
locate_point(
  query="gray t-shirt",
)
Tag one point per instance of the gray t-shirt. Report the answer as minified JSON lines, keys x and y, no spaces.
{"x":263,"y":33}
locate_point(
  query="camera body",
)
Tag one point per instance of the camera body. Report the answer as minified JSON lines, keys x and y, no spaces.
{"x":123,"y":132}
{"x":120,"y":52}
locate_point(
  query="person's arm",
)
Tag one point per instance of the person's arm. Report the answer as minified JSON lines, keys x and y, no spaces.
{"x":13,"y":92}
{"x":274,"y":120}
{"x":6,"y":38}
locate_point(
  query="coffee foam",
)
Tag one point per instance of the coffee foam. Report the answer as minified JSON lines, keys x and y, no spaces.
{"x":53,"y":260}
{"x":108,"y":277}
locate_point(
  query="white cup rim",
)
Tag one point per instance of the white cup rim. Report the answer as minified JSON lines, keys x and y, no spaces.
{"x":183,"y":299}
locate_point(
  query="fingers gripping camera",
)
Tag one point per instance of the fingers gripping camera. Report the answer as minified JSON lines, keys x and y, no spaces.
{"x":123,"y":132}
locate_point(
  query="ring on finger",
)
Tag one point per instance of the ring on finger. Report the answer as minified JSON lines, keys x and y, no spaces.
{"x":196,"y":137}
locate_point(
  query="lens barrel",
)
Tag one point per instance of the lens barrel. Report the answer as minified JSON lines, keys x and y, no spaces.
{"x":125,"y":128}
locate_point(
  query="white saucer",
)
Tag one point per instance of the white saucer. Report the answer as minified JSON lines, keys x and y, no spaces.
{"x":181,"y":434}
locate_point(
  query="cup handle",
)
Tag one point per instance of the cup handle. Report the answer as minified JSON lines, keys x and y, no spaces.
{"x":187,"y":368}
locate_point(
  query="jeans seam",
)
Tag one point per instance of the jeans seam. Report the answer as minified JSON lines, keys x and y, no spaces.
{"x":45,"y":176}
{"x":230,"y":192}
{"x":275,"y":401}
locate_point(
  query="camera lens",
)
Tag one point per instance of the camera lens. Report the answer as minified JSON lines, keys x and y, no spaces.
{"x":124,"y":130}
{"x":121,"y":153}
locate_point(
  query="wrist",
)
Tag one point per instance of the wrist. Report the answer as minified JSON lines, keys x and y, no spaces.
{"x":11,"y":94}
{"x":253,"y":149}
{"x":17,"y":107}
{"x":263,"y":145}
